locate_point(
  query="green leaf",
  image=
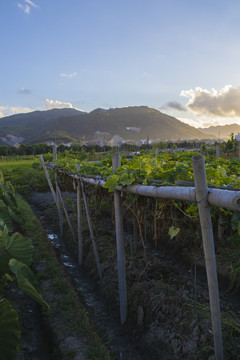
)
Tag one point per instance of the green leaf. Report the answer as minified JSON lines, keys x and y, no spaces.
{"x":172,"y":232}
{"x":6,"y":218}
{"x":9,"y":331}
{"x":111,"y":183}
{"x":27,"y":281}
{"x":20,"y":248}
{"x":125,"y":179}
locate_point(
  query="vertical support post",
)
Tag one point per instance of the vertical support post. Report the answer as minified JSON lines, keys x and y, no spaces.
{"x":217,"y":151}
{"x":48,"y":180}
{"x":209,"y":251}
{"x":79,"y":221}
{"x":57,"y":196}
{"x":66,"y":214}
{"x":91,"y":230}
{"x":120,"y":247}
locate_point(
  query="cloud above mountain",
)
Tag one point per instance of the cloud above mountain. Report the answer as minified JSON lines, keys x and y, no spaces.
{"x":209,"y":103}
{"x":175,"y":105}
{"x":56,"y":104}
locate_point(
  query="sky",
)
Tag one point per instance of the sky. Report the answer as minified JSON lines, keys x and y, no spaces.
{"x":179,"y":57}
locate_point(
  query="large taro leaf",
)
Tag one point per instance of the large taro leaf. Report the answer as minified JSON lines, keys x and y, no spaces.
{"x":27,"y":282}
{"x":5,"y":218}
{"x":20,"y":248}
{"x":15,"y":215}
{"x":9,"y":331}
{"x":4,"y":256}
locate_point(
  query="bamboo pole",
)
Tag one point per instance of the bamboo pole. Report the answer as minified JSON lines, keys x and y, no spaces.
{"x":55,"y":197}
{"x":79,"y":222}
{"x":221,"y":198}
{"x":120,"y":247}
{"x":91,"y":230}
{"x":229,"y":199}
{"x":66,"y":214}
{"x":48,"y":180}
{"x":209,"y":251}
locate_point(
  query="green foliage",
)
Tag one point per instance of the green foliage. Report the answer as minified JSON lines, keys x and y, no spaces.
{"x":172,"y":232}
{"x":27,"y":282}
{"x":16,"y":255}
{"x":9,"y":331}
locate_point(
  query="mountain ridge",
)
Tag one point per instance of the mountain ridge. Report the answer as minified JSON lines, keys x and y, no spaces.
{"x":130,"y":123}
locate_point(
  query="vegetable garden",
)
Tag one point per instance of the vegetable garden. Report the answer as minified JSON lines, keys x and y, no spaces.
{"x":149,"y":202}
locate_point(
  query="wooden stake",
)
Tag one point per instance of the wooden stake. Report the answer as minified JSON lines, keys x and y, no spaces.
{"x":48,"y":180}
{"x":91,"y":230}
{"x":55,"y":197}
{"x":66,"y":214}
{"x":79,"y":222}
{"x":209,"y":251}
{"x":120,"y":247}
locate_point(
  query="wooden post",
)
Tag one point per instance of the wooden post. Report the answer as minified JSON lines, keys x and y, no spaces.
{"x":217,"y":151}
{"x":55,"y":197}
{"x":209,"y":250}
{"x":66,"y":214}
{"x":91,"y":230}
{"x":79,"y":221}
{"x":48,"y":180}
{"x":120,"y":247}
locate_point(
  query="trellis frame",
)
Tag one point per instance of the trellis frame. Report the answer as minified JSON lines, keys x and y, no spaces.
{"x":203,"y":196}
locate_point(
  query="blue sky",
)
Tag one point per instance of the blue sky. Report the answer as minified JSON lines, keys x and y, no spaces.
{"x":180,"y":57}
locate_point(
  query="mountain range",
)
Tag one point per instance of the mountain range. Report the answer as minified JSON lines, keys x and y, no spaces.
{"x":69,"y":125}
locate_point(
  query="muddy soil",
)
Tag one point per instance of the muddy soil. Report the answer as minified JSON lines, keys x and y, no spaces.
{"x":168,"y":311}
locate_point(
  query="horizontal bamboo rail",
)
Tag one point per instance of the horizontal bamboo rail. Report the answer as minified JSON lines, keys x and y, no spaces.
{"x":221,"y":198}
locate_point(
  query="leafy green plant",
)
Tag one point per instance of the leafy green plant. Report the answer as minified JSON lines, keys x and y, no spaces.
{"x":16,"y":255}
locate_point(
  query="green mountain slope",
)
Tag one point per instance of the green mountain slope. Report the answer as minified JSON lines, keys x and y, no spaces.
{"x":131,"y":123}
{"x":222,"y":131}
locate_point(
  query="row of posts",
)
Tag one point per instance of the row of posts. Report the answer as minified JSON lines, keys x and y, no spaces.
{"x":207,"y":237}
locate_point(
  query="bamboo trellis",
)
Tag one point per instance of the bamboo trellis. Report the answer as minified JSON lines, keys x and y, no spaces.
{"x":200,"y":194}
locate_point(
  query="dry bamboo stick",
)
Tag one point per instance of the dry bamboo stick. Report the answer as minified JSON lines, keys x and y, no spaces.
{"x":79,"y":222}
{"x":91,"y":230}
{"x":66,"y":214}
{"x":209,"y":250}
{"x":55,"y":198}
{"x":48,"y":180}
{"x":120,"y":248}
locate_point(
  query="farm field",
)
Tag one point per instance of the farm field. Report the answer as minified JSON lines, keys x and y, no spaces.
{"x":168,"y":301}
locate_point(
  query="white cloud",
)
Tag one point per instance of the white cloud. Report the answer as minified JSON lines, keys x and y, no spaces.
{"x":11,"y":110}
{"x":222,"y":103}
{"x":56,"y":104}
{"x":31,"y":3}
{"x":24,"y":91}
{"x":69,"y":75}
{"x":26,"y":6}
{"x":20,"y":109}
